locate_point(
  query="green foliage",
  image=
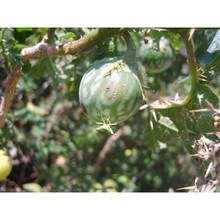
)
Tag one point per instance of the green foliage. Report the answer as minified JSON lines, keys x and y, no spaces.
{"x":204,"y":39}
{"x":207,"y":52}
{"x":62,"y":35}
{"x":58,"y":147}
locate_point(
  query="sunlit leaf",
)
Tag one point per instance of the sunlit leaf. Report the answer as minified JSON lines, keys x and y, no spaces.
{"x":202,"y":122}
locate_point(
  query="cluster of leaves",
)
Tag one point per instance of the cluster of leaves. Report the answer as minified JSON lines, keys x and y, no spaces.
{"x":56,"y":147}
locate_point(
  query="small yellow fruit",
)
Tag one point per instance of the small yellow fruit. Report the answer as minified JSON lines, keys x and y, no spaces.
{"x":5,"y":165}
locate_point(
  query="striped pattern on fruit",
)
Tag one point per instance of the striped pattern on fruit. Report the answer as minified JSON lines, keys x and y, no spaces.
{"x":157,"y":60}
{"x":110,"y":91}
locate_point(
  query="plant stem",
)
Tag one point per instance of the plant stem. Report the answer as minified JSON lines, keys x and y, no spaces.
{"x":89,"y":40}
{"x":131,"y":49}
{"x":193,"y":71}
{"x":75,"y":47}
{"x":193,"y":68}
{"x":130,"y":54}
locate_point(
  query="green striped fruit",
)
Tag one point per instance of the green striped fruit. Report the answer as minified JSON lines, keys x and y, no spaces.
{"x":157,"y":60}
{"x":110,"y":92}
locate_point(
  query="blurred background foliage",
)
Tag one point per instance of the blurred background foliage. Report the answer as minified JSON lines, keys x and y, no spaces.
{"x":56,"y":148}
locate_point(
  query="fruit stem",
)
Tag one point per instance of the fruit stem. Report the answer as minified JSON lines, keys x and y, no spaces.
{"x":130,"y":54}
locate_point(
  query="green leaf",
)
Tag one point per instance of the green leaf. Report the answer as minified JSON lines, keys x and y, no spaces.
{"x":160,"y":129}
{"x":15,"y":51}
{"x":209,"y":45}
{"x":215,"y":44}
{"x":39,"y":68}
{"x":177,"y":42}
{"x":63,"y":35}
{"x":203,"y":39}
{"x":166,"y":122}
{"x":179,"y":118}
{"x":202,"y":122}
{"x":46,"y":66}
{"x":5,"y":135}
{"x":24,"y":29}
{"x":67,"y":35}
{"x":156,"y":34}
{"x":203,"y":93}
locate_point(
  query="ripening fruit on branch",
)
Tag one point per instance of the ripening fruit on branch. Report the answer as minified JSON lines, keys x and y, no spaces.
{"x":5,"y":165}
{"x":157,"y":59}
{"x":110,"y":91}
